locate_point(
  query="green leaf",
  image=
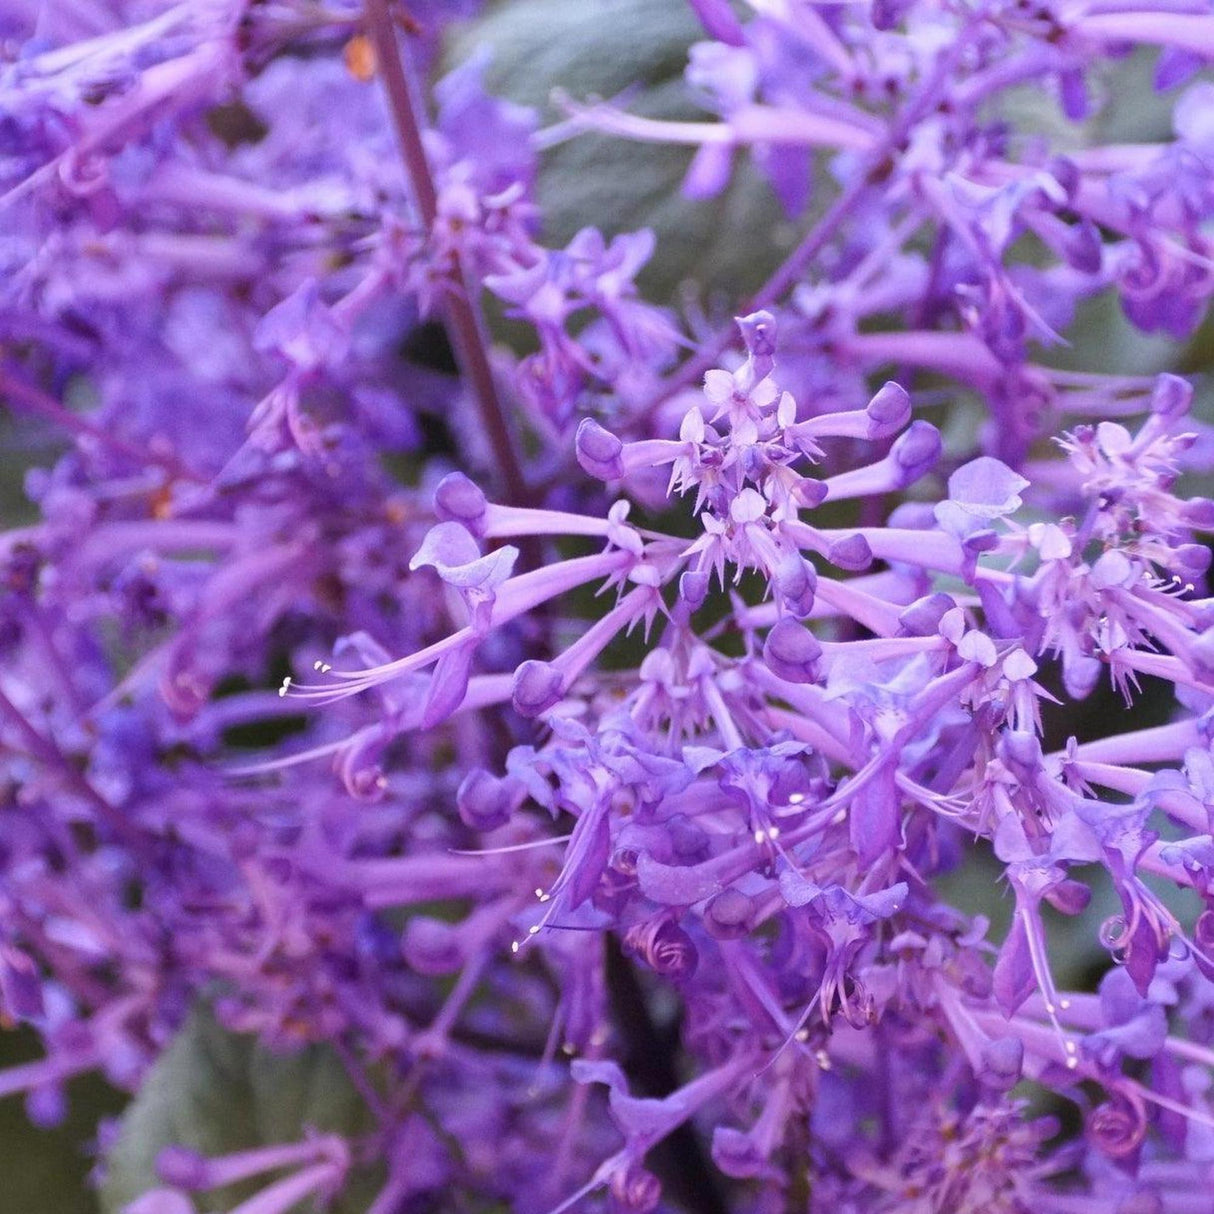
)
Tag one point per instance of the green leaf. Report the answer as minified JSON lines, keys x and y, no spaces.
{"x":638,"y":47}
{"x":218,"y":1092}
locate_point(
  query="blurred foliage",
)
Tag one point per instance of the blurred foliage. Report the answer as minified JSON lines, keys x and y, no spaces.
{"x":216,"y":1092}
{"x":45,"y":1171}
{"x":631,"y":52}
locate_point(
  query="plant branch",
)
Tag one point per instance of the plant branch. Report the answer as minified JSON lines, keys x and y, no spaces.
{"x":466,"y":326}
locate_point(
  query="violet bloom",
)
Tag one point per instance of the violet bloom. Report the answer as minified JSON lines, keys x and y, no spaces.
{"x":595,"y":733}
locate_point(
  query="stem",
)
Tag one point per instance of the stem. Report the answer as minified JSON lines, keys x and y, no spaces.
{"x":678,"y":1159}
{"x":24,"y":395}
{"x":467,"y":327}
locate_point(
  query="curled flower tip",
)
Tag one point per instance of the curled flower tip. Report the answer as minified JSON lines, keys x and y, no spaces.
{"x":598,"y":451}
{"x":432,"y":947}
{"x":483,"y":801}
{"x":1172,"y":396}
{"x":792,"y":652}
{"x":693,"y":588}
{"x":729,"y":914}
{"x":1203,"y":940}
{"x":537,"y":686}
{"x":888,"y":411}
{"x":636,"y":1190}
{"x":663,"y":946}
{"x":1001,"y":1062}
{"x":1118,"y":1127}
{"x":922,"y":617}
{"x":459,"y":500}
{"x":795,"y":582}
{"x":852,"y":554}
{"x":916,"y":451}
{"x":183,"y":1168}
{"x":736,"y":1154}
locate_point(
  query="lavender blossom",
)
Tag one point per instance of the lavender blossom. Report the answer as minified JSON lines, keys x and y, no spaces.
{"x":572,"y":746}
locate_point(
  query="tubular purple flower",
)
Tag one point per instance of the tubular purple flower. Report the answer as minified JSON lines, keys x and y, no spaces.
{"x":551,"y":837}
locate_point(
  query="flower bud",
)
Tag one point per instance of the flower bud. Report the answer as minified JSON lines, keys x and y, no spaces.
{"x":1172,"y":396}
{"x":484,"y":802}
{"x":1020,"y":750}
{"x":693,"y":588}
{"x":432,"y":947}
{"x":729,"y":914}
{"x":792,"y":652}
{"x":1080,"y":676}
{"x":1071,"y":897}
{"x":795,"y":581}
{"x":916,"y":451}
{"x":1191,"y":561}
{"x":46,"y":1106}
{"x":598,"y":451}
{"x":458,"y":500}
{"x":1066,"y":173}
{"x":1082,"y":247}
{"x":852,"y":553}
{"x":1199,"y":512}
{"x":1001,"y":1063}
{"x":922,"y":618}
{"x":537,"y":686}
{"x":888,"y":411}
{"x":183,"y":1168}
{"x":759,"y":334}
{"x":735,"y":1153}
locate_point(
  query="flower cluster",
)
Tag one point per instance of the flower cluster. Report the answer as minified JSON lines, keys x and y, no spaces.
{"x":660,"y":768}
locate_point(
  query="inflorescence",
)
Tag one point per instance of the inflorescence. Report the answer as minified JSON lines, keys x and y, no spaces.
{"x":593,"y":732}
